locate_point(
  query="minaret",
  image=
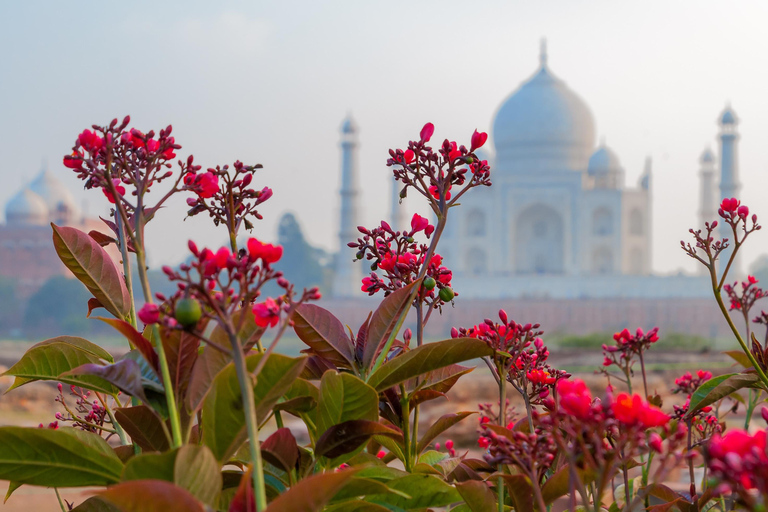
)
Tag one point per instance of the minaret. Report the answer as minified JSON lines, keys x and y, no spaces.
{"x":729,"y":178}
{"x":707,"y":193}
{"x":646,"y":181}
{"x":348,"y":275}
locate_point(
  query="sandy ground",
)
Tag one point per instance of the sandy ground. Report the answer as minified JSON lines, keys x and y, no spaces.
{"x":33,"y":404}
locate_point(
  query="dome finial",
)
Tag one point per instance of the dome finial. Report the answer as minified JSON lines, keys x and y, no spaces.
{"x":543,"y":52}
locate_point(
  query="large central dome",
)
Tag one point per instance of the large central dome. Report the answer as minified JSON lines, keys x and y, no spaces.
{"x":543,"y":126}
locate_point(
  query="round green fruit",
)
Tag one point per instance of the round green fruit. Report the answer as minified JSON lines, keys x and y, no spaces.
{"x":188,"y":312}
{"x":429,"y":283}
{"x":446,"y":294}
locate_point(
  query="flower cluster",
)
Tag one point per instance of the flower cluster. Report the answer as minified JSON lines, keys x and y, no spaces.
{"x":226,"y":194}
{"x":434,"y":173}
{"x":87,"y":414}
{"x":750,"y":293}
{"x":401,"y":259}
{"x":739,"y":461}
{"x":532,"y":453}
{"x":688,"y":384}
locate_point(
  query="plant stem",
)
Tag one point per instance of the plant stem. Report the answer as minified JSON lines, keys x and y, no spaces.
{"x":58,"y":496}
{"x":537,"y":492}
{"x":642,"y":370}
{"x":690,"y":464}
{"x":126,"y":256}
{"x":118,"y":428}
{"x":405,"y":405}
{"x":251,"y":422}
{"x":502,"y":422}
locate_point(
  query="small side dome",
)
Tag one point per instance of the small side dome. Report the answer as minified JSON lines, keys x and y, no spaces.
{"x":728,"y":116}
{"x":603,"y":161}
{"x":26,"y":207}
{"x":58,"y":200}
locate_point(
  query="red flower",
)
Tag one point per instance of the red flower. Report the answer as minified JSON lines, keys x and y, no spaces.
{"x":381,"y":454}
{"x":149,"y":313}
{"x":632,"y":410}
{"x":743,"y":211}
{"x":409,"y":156}
{"x":575,"y":397}
{"x":267,"y":252}
{"x":454,"y":153}
{"x":118,"y":187}
{"x":654,"y":441}
{"x":436,"y":195}
{"x":208,"y":185}
{"x":221,"y":258}
{"x":537,"y":376}
{"x":90,"y":141}
{"x":74,"y":161}
{"x":418,"y":223}
{"x":483,"y":442}
{"x":267,"y":313}
{"x":730,"y":205}
{"x":427,"y":131}
{"x":367,"y":284}
{"x":478,"y":139}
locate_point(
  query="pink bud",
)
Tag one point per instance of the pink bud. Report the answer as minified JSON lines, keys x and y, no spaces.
{"x":478,"y":139}
{"x":409,"y":156}
{"x":427,"y":131}
{"x":418,"y":223}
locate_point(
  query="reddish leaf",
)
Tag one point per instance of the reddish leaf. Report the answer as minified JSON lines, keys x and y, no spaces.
{"x":440,"y":380}
{"x":150,"y":496}
{"x":347,"y":437}
{"x":477,"y":496}
{"x":100,"y":238}
{"x":740,"y":357}
{"x":181,"y":351}
{"x":362,"y":338}
{"x":324,"y":334}
{"x":311,"y":494}
{"x":441,"y":425}
{"x":91,"y":264}
{"x":558,"y":484}
{"x":520,"y":491}
{"x":141,"y":343}
{"x":315,"y":368}
{"x":385,"y":320}
{"x":280,"y":449}
{"x":144,"y":427}
{"x":211,"y":361}
{"x":243,"y":500}
{"x":93,"y":304}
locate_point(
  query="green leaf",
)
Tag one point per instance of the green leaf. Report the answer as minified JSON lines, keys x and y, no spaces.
{"x":432,"y":457}
{"x":425,"y":491}
{"x":384,"y":321}
{"x":357,"y":506}
{"x":211,"y":361}
{"x":223,"y":423}
{"x":740,"y":357}
{"x":151,"y":496}
{"x":12,"y":486}
{"x":719,"y":387}
{"x":520,"y":491}
{"x":477,"y":496}
{"x":93,"y":267}
{"x":344,"y":397}
{"x":348,"y":436}
{"x":50,"y":358}
{"x":364,"y":487}
{"x":427,"y":358}
{"x":95,"y":504}
{"x":65,"y":457}
{"x":441,"y":425}
{"x":324,"y":334}
{"x":311,"y":494}
{"x":150,"y":466}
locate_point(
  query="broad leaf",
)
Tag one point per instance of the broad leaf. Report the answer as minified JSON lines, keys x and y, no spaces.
{"x":477,"y":496}
{"x":311,"y":494}
{"x":425,"y":491}
{"x":720,"y":387}
{"x":344,"y":397}
{"x":151,"y":496}
{"x":348,"y":436}
{"x":223,"y":423}
{"x":427,"y":358}
{"x":440,"y":380}
{"x":95,"y":504}
{"x":385,"y":320}
{"x":558,"y":484}
{"x":211,"y":361}
{"x":441,"y":425}
{"x":324,"y":334}
{"x":181,"y":349}
{"x":65,"y":457}
{"x":740,"y":357}
{"x":136,"y":339}
{"x":364,"y":487}
{"x":520,"y":491}
{"x":50,"y":358}
{"x":150,"y":466}
{"x":12,"y":486}
{"x":91,"y":264}
{"x":356,"y":506}
{"x":280,"y":450}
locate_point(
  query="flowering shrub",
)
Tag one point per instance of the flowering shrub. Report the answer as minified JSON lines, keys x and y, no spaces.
{"x":177,"y":422}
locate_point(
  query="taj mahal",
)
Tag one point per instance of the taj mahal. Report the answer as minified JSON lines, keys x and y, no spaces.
{"x":559,"y":221}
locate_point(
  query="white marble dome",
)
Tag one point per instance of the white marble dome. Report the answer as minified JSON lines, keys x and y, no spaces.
{"x":26,"y":207}
{"x":59,"y":201}
{"x":543,"y":125}
{"x":728,"y":116}
{"x":603,"y":161}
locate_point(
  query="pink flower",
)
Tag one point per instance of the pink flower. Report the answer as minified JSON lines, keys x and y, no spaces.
{"x":367,"y":284}
{"x":267,"y":252}
{"x":433,"y":190}
{"x":118,"y":187}
{"x":632,"y":410}
{"x":418,"y":223}
{"x":381,"y":454}
{"x":149,"y":314}
{"x":730,"y":205}
{"x":267,"y":313}
{"x":743,"y":211}
{"x":409,"y":156}
{"x":478,"y":139}
{"x":575,"y":397}
{"x":427,"y":131}
{"x":221,"y":258}
{"x":654,"y":441}
{"x":74,"y":161}
{"x":90,"y":141}
{"x":208,"y":185}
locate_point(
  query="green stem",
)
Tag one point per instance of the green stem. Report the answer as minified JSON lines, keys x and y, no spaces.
{"x":120,"y":432}
{"x":126,"y":256}
{"x":405,"y":405}
{"x":502,"y":421}
{"x":58,"y":496}
{"x":251,"y":422}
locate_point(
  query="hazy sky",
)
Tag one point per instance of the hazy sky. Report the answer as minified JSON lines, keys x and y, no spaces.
{"x":270,"y":82}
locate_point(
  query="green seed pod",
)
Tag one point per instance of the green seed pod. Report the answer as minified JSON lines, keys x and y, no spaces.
{"x":429,"y":283}
{"x":446,"y":294}
{"x":188,"y":312}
